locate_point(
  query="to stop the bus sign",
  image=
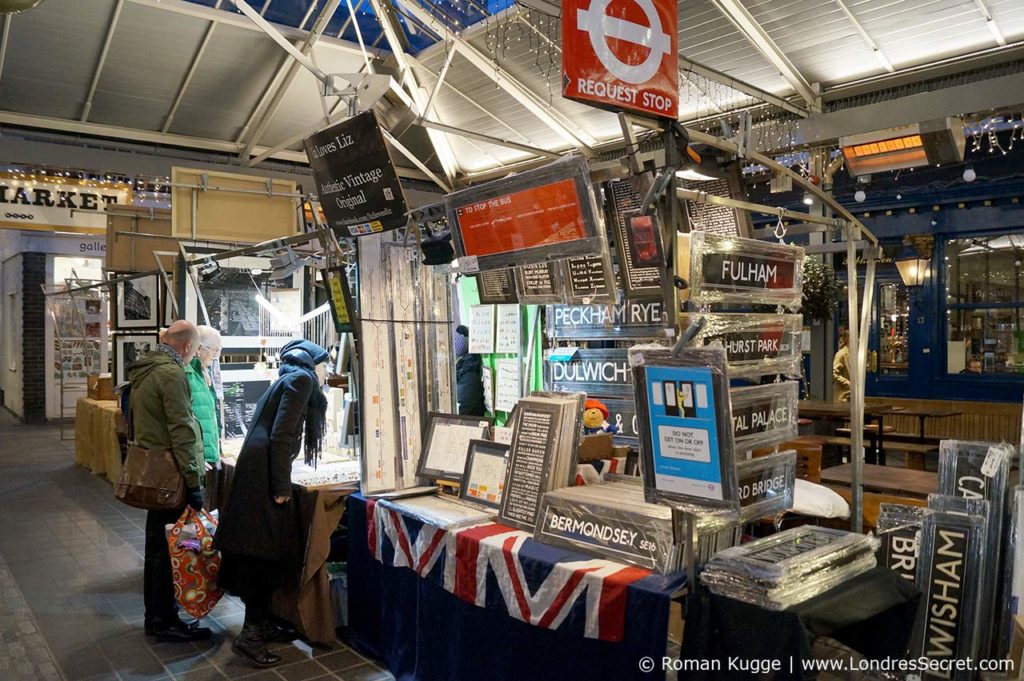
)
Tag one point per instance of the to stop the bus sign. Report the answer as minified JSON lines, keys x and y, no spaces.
{"x":621,"y":54}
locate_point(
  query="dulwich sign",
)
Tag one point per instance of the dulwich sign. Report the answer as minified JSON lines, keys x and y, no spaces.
{"x":621,"y":55}
{"x":355,"y":179}
{"x":727,"y":269}
{"x":596,"y":372}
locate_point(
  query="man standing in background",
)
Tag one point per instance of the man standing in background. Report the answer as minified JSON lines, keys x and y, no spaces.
{"x":162,"y":419}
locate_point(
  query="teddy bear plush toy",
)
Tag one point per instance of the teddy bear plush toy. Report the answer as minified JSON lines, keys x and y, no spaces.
{"x":595,"y":418}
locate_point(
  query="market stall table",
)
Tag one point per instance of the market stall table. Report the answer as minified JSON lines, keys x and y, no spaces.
{"x":305,"y":598}
{"x":884,"y":479}
{"x":505,"y":608}
{"x":96,"y":444}
{"x":872,"y":613}
{"x":841,"y":411}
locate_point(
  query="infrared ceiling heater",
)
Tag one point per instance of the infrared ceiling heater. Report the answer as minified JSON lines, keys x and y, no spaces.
{"x":909,"y":146}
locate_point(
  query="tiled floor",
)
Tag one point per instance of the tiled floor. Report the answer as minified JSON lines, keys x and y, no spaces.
{"x":71,"y":585}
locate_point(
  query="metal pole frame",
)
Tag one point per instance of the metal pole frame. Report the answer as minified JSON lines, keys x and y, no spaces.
{"x":859,"y":319}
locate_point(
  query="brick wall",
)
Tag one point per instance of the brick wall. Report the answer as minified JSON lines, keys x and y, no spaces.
{"x":33,"y":307}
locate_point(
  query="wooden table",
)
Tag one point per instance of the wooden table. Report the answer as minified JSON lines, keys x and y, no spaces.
{"x":96,"y":443}
{"x":840,"y":411}
{"x":924,"y":414}
{"x":884,"y":479}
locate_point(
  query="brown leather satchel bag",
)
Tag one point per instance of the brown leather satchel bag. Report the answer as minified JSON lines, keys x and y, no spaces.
{"x":150,"y":479}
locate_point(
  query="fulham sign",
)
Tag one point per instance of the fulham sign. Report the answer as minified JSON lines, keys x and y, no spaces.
{"x":621,"y":55}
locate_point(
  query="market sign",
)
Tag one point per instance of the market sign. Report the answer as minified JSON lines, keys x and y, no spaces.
{"x":729,"y":269}
{"x":356,"y":181}
{"x":532,"y":217}
{"x":629,"y":537}
{"x":766,"y":485}
{"x":540,"y":283}
{"x":764,"y":415}
{"x":755,"y":344}
{"x":898,"y":550}
{"x":340,"y":298}
{"x":595,"y":372}
{"x":621,"y":55}
{"x":627,"y":319}
{"x":589,"y":280}
{"x":951,"y":556}
{"x":497,"y":287}
{"x":40,"y":205}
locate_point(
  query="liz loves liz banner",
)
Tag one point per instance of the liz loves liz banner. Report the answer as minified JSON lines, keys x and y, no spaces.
{"x":728,"y":269}
{"x":355,"y":178}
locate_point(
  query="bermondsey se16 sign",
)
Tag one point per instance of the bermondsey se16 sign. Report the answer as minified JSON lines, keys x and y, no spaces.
{"x":621,"y":54}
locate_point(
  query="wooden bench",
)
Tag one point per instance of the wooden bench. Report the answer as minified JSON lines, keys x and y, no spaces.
{"x":897,"y":437}
{"x":872,"y":502}
{"x":915,"y":452}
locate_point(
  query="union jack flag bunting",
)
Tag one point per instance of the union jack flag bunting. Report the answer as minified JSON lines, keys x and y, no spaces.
{"x":538,"y":584}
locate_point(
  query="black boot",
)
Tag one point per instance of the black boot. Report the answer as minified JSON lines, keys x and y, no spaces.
{"x":279,"y":632}
{"x":251,"y":644}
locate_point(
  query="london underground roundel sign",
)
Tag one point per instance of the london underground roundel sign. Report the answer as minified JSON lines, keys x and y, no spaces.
{"x":621,"y":54}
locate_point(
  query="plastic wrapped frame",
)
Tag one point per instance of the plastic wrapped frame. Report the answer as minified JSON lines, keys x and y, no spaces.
{"x":673,"y":466}
{"x":764,"y":415}
{"x":572,"y":168}
{"x":755,"y":344}
{"x":766,"y":485}
{"x":728,"y":269}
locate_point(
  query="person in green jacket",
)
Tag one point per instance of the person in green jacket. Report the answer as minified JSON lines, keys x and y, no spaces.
{"x":162,"y":419}
{"x":204,"y":405}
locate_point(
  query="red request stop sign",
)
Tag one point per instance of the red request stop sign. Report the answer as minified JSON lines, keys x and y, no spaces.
{"x":621,"y":54}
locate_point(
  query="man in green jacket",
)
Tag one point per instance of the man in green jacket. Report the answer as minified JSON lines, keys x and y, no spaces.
{"x":162,"y":419}
{"x":204,"y":406}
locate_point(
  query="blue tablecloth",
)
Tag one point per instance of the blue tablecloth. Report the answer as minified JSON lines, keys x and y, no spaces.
{"x":423,"y":632}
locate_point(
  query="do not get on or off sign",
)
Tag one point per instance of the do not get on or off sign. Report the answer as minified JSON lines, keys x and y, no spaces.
{"x":621,"y":55}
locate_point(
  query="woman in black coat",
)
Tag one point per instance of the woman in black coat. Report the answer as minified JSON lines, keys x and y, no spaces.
{"x":256,"y":536}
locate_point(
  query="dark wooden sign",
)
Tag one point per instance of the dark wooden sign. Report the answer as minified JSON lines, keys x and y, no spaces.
{"x":627,"y":319}
{"x":497,"y":287}
{"x":595,"y":372}
{"x":355,"y":179}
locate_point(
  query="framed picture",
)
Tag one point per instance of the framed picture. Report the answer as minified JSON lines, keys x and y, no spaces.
{"x":137,"y":302}
{"x":447,"y":445}
{"x":483,"y":480}
{"x":128,"y":348}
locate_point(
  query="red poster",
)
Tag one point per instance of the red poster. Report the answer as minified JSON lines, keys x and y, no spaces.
{"x":622,"y":55}
{"x":533,"y":217}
